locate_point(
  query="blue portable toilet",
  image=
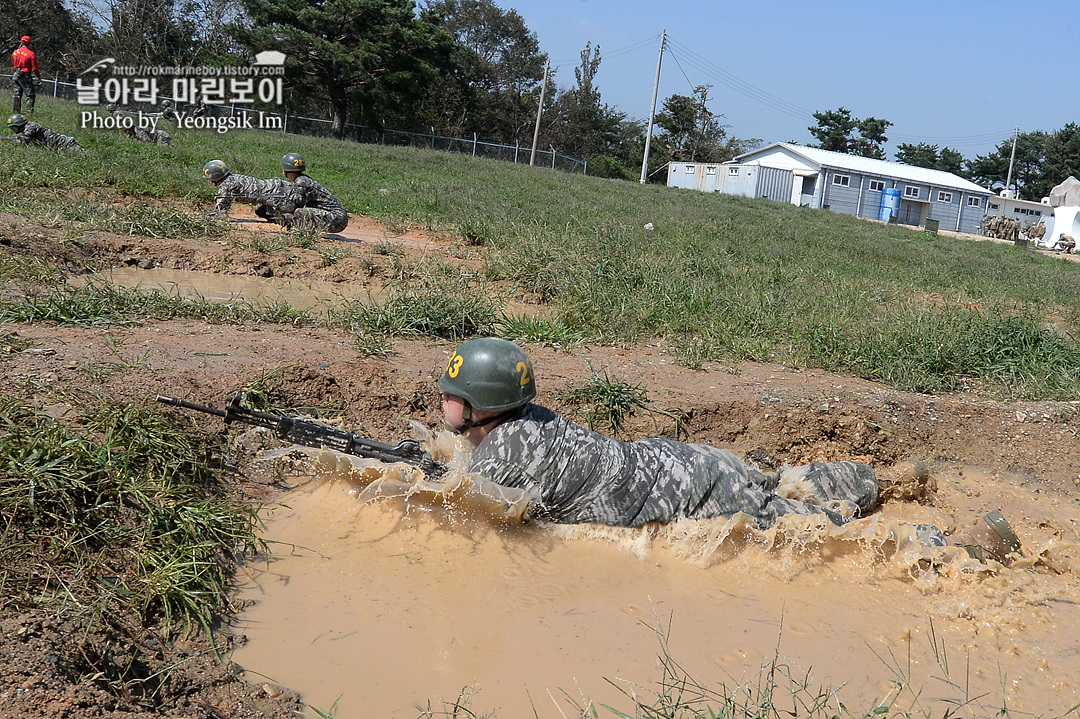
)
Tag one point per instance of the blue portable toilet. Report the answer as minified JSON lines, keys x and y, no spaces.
{"x":890,"y":204}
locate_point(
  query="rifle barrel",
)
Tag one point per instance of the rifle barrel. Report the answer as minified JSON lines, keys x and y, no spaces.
{"x":177,"y":402}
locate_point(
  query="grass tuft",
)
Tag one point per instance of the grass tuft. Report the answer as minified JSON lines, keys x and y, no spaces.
{"x":540,"y":331}
{"x":121,"y":507}
{"x":98,"y":304}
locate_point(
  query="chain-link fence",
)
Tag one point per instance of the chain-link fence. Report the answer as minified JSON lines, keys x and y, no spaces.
{"x":282,"y":121}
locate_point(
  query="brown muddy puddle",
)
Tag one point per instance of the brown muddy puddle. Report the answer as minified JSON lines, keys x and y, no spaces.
{"x":301,"y":294}
{"x":392,"y":607}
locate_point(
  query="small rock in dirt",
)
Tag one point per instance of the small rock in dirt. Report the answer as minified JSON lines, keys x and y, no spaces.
{"x":129,"y":260}
{"x":264,"y":271}
{"x":145,"y":264}
{"x":41,"y":352}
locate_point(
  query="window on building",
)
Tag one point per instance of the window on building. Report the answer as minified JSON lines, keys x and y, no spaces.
{"x":842,"y":180}
{"x":877,"y":185}
{"x":974,"y":202}
{"x":710,"y":170}
{"x":733,"y":171}
{"x":1017,"y":211}
{"x":689,"y":169}
{"x":993,"y":206}
{"x":911,"y":191}
{"x":944,"y":197}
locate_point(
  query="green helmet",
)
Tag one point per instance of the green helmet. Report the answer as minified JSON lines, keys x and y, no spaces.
{"x":216,"y":170}
{"x":16,"y":120}
{"x":293,"y":162}
{"x":491,"y":374}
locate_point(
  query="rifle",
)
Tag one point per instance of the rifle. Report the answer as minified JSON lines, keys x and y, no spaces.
{"x":311,"y":434}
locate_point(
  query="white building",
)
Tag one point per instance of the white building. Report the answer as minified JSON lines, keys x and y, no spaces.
{"x":852,"y":185}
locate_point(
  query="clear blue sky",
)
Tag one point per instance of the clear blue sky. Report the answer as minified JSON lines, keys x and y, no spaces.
{"x":953,"y":73}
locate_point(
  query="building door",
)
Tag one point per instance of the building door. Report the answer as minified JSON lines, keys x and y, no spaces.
{"x":911,"y":213}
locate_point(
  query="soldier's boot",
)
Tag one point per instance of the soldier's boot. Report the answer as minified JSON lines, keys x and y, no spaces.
{"x":909,"y":480}
{"x":16,"y":105}
{"x":990,"y":538}
{"x":264,"y":212}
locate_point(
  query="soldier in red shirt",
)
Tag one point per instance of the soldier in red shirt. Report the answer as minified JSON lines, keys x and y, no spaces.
{"x":25,"y":63}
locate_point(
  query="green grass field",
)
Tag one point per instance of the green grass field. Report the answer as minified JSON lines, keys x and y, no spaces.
{"x":723,"y":278}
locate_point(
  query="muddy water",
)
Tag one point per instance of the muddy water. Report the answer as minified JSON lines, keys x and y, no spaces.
{"x":390,"y":605}
{"x":302,"y":294}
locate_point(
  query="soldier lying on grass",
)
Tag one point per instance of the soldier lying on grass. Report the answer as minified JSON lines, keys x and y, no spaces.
{"x":31,"y":133}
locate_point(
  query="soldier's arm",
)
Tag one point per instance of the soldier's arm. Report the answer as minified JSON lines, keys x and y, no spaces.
{"x":223,"y":201}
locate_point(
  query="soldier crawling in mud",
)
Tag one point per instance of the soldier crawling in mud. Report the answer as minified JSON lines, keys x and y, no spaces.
{"x":316,"y":206}
{"x":577,"y":475}
{"x":31,"y":133}
{"x":275,"y":199}
{"x":1064,"y":242}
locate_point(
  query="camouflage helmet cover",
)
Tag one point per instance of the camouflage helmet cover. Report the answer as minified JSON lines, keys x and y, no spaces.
{"x":216,"y":170}
{"x":293,"y":162}
{"x":16,"y":120}
{"x":492,"y":374}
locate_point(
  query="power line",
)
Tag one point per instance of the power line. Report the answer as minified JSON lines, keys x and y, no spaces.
{"x":733,"y":82}
{"x":739,"y":85}
{"x":648,"y":42}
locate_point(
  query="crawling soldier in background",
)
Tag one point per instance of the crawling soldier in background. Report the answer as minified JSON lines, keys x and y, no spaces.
{"x":316,"y":206}
{"x":275,"y":199}
{"x":31,"y":133}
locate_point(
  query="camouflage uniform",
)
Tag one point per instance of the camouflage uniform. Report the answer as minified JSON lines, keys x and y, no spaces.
{"x":1065,"y":242}
{"x":168,"y":113}
{"x":156,"y":137}
{"x":583,"y":476}
{"x":38,"y":135}
{"x":318,"y":207}
{"x":277,"y":195}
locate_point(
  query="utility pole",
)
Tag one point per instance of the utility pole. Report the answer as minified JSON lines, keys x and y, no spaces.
{"x":539,"y":109}
{"x":1012,"y":158}
{"x":652,"y":110}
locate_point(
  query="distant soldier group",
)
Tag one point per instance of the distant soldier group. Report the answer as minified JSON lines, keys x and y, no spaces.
{"x":999,"y":227}
{"x":296,"y":202}
{"x":1034,"y":231}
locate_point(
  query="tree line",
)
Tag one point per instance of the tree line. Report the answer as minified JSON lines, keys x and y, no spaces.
{"x":461,"y":66}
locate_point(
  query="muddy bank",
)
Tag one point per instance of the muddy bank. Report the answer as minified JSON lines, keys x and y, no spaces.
{"x":1020,"y":457}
